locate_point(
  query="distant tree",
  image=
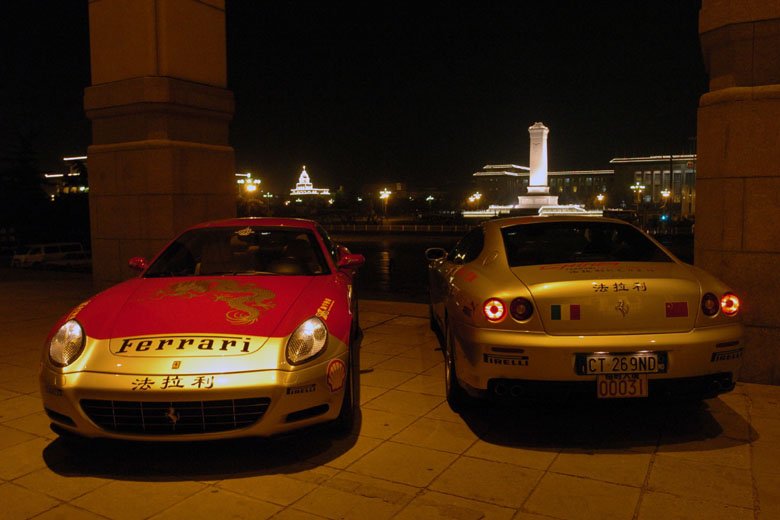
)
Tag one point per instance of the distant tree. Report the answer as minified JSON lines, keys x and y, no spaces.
{"x":23,"y":203}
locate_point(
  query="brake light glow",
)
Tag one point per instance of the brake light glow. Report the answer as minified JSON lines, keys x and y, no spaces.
{"x":494,"y":310}
{"x":729,"y":304}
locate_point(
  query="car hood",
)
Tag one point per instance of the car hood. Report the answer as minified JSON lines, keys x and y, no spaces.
{"x":227,"y":305}
{"x":613,"y":297}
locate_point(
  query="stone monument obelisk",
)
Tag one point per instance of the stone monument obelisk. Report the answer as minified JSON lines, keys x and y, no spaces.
{"x":538,"y":191}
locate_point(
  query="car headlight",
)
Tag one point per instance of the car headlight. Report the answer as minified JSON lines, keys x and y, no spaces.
{"x":66,"y":344}
{"x":308,"y":340}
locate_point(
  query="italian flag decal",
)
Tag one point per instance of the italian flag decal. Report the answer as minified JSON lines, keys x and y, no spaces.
{"x":565,"y":312}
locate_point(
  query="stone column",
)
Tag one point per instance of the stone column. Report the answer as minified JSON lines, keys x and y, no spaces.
{"x":160,"y":159}
{"x":738,"y":175}
{"x":537,"y":160}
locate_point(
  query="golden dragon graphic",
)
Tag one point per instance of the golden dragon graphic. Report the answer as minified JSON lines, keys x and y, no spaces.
{"x":246,"y":300}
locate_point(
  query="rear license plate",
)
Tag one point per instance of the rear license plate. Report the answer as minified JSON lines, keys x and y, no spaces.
{"x":619,"y":363}
{"x":611,"y":386}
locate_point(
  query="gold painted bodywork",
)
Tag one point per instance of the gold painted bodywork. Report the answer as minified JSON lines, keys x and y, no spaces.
{"x":172,"y":377}
{"x":622,"y":311}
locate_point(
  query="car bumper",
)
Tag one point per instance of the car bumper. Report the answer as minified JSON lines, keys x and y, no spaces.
{"x":496,"y":362}
{"x":193,"y":407}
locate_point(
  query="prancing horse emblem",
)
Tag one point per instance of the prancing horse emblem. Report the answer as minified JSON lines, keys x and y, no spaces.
{"x":622,"y":306}
{"x":172,"y":415}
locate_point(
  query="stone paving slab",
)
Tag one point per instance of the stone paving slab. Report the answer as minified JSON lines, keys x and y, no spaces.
{"x":410,"y":457}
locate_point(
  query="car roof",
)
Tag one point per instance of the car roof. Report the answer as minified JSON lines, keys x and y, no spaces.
{"x":536,"y":219}
{"x":259,"y":221}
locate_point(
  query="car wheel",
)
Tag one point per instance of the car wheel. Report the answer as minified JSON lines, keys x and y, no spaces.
{"x":346,"y":419}
{"x":456,"y":396}
{"x":435,"y":326}
{"x":350,"y":404}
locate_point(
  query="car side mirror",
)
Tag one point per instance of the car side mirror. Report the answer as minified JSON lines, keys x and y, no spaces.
{"x":350,"y":260}
{"x":435,"y":253}
{"x":138,"y":263}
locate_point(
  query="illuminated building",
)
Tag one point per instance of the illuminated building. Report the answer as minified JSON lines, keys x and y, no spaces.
{"x":502,"y":184}
{"x":305,"y":186}
{"x":71,"y":182}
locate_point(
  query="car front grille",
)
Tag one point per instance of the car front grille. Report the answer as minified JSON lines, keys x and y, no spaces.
{"x":175,"y":417}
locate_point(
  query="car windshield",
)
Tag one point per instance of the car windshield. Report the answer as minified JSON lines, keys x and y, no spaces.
{"x":578,"y":241}
{"x":241,"y":251}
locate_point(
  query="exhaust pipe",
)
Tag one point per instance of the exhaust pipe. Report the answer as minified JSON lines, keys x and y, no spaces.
{"x":516,"y":391}
{"x":500,"y":389}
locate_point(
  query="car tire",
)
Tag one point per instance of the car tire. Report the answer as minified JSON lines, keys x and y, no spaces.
{"x":350,"y":404}
{"x":457,"y":397}
{"x":345,"y":422}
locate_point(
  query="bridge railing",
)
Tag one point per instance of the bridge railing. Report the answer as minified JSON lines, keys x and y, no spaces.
{"x":397,"y":228}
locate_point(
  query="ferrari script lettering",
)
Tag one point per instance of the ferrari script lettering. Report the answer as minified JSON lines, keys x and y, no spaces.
{"x":170,"y":345}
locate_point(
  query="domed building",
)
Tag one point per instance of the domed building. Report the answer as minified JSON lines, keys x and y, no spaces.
{"x":305,"y":186}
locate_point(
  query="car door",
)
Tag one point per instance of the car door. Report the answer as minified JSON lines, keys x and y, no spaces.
{"x":444,"y":288}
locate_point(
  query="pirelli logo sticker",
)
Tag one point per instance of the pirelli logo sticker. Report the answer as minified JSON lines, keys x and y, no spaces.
{"x":727,"y":355}
{"x":517,"y":361}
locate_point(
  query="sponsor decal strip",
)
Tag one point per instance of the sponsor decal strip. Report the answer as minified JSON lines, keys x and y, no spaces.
{"x":75,"y":312}
{"x":518,"y":361}
{"x":303,"y":389}
{"x":325,"y":307}
{"x":726,"y":355}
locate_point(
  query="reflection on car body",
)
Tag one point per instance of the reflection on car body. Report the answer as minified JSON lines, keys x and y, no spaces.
{"x":241,"y":327}
{"x":540,"y":306}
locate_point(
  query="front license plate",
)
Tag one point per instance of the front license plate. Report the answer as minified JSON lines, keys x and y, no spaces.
{"x":629,"y":363}
{"x":611,"y":386}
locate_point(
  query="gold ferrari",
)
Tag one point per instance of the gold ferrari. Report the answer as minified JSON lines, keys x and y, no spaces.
{"x":540,"y":307}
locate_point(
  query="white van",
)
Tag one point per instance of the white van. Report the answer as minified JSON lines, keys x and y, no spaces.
{"x":36,"y":254}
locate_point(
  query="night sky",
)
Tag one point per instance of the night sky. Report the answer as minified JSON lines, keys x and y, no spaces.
{"x":423,"y":92}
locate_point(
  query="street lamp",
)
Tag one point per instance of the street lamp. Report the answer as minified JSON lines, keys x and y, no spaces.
{"x":638,"y":189}
{"x":385,"y":195}
{"x":600,"y":197}
{"x":474,"y":199}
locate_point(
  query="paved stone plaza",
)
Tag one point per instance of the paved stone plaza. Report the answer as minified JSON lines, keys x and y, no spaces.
{"x":411,"y":456}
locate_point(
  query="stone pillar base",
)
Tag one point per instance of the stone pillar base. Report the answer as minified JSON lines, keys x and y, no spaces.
{"x":536,"y":201}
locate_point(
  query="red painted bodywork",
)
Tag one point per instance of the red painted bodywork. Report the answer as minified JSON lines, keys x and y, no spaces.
{"x":256,"y":305}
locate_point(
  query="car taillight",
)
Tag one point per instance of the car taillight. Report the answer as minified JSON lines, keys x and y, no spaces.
{"x":521,"y":309}
{"x":494,"y":310}
{"x":729,"y":304}
{"x":710,"y":304}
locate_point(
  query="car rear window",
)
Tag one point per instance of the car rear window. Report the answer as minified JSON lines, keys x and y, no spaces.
{"x":241,"y":250}
{"x":578,"y":241}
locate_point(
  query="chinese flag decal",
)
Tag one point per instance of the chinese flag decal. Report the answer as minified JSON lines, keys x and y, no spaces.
{"x":676,"y":309}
